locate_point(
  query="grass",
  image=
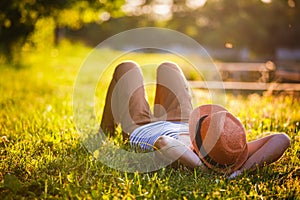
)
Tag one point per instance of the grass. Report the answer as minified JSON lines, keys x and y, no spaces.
{"x":42,"y":156}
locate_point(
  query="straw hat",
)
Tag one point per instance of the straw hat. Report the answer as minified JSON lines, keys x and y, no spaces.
{"x":218,"y":138}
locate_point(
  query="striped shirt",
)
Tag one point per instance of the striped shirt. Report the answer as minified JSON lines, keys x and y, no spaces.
{"x":145,"y":136}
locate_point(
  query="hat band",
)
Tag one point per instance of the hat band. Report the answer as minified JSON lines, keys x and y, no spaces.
{"x":199,"y":143}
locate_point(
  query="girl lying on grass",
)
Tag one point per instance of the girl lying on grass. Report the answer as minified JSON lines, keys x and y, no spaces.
{"x":208,"y":136}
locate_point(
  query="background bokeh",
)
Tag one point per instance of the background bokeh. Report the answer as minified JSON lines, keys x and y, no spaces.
{"x":246,"y":30}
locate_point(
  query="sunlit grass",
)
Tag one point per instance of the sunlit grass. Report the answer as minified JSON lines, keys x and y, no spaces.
{"x":42,"y":156}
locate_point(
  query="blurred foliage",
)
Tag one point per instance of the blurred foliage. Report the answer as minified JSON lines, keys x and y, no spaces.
{"x":261,"y":26}
{"x":258,"y":26}
{"x":19,"y":19}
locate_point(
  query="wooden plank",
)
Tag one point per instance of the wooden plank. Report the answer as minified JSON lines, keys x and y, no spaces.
{"x":246,"y":67}
{"x":288,"y":86}
{"x":245,"y":85}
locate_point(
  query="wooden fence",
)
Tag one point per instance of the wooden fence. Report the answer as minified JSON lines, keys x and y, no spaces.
{"x":251,"y":77}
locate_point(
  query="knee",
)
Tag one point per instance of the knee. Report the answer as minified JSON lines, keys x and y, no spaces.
{"x":284,"y":140}
{"x":168,"y":65}
{"x":124,"y":67}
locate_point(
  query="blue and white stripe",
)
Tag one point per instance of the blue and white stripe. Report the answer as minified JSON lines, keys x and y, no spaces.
{"x":145,"y":136}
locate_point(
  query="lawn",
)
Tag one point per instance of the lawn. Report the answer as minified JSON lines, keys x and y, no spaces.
{"x":42,"y":155}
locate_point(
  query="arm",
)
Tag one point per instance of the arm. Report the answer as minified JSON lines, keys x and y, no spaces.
{"x":264,"y":151}
{"x":176,"y":150}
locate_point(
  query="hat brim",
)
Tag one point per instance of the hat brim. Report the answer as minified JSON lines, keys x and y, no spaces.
{"x":229,"y":169}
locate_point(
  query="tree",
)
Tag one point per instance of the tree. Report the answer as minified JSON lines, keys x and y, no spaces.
{"x":259,"y":25}
{"x":18,"y":18}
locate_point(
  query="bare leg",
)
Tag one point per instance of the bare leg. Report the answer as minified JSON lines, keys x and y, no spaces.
{"x":125,"y":101}
{"x":172,"y":98}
